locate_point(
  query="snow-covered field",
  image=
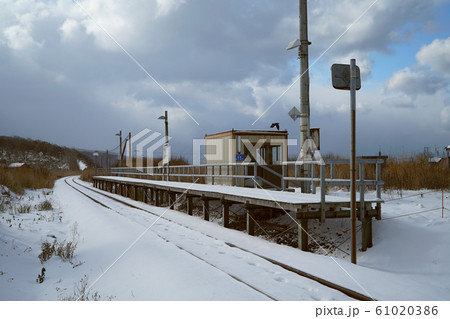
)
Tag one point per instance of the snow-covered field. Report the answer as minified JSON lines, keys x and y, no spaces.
{"x":127,"y":254}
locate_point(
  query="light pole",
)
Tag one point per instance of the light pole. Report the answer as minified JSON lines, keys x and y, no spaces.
{"x":120,"y":148}
{"x":165,"y":117}
{"x":95,"y":154}
{"x":166,"y":149}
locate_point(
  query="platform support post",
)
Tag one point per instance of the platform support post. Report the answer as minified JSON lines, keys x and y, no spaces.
{"x":205,"y":208}
{"x":145,"y":194}
{"x":303,"y":235}
{"x":323,"y":191}
{"x":172,"y":199}
{"x":157,"y":197}
{"x":152,"y":196}
{"x":189,"y":204}
{"x":364,"y":226}
{"x":362,"y":208}
{"x":226,"y":213}
{"x":250,"y":219}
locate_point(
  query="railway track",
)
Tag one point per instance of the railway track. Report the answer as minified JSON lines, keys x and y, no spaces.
{"x":84,"y":190}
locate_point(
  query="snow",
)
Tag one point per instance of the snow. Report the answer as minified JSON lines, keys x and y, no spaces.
{"x":16,"y":165}
{"x":256,"y":193}
{"x":128,"y":254}
{"x":435,"y":159}
{"x":82,"y":165}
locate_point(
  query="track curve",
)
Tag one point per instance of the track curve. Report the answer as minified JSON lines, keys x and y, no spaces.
{"x":349,"y":292}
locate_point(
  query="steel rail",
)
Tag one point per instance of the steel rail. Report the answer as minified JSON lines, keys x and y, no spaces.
{"x":347,"y":291}
{"x":167,"y":240}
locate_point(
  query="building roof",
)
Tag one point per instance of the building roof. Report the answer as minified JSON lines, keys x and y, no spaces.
{"x":17,"y":165}
{"x":248,"y":132}
{"x":434,"y":160}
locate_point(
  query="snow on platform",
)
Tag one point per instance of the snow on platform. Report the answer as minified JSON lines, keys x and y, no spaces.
{"x":238,"y":192}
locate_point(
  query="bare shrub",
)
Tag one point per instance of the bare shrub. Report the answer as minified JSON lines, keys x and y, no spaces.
{"x":45,"y":206}
{"x":81,"y":292}
{"x":23,"y":209}
{"x":48,"y":249}
{"x":63,"y":249}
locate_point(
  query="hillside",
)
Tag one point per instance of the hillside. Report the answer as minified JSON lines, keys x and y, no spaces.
{"x":36,"y":153}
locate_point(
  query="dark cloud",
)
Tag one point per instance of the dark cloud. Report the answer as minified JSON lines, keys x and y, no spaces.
{"x":64,"y":80}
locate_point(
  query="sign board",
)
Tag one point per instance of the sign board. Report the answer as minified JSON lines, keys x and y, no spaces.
{"x":293,"y":44}
{"x":240,"y":157}
{"x":294,"y":113}
{"x":315,"y":135}
{"x":340,"y":77}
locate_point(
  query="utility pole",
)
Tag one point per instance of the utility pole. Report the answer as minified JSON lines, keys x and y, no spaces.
{"x":120,"y":148}
{"x":302,"y":46}
{"x":304,"y":73}
{"x":166,"y":152}
{"x":304,"y":84}
{"x":166,"y":124}
{"x":129,"y":149}
{"x":353,"y":79}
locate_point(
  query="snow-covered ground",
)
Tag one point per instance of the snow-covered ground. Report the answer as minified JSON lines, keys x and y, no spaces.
{"x":127,"y":254}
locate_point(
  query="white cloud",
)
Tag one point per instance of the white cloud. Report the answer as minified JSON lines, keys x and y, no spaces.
{"x":414,"y":82}
{"x":17,"y":23}
{"x":165,"y":6}
{"x":18,"y":37}
{"x":69,"y":29}
{"x":436,"y":55}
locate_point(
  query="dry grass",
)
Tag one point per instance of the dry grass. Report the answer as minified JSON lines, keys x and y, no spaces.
{"x":414,"y":173}
{"x":87,"y":174}
{"x":17,"y":179}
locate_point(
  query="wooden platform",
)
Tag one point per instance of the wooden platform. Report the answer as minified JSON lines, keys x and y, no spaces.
{"x":306,"y":206}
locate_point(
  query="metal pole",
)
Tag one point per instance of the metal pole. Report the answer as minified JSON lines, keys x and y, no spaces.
{"x":120,"y":149}
{"x":353,"y":156}
{"x":304,"y":83}
{"x":129,"y":148}
{"x":166,"y":123}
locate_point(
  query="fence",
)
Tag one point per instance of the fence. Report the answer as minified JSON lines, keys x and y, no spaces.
{"x":254,"y":172}
{"x":256,"y":175}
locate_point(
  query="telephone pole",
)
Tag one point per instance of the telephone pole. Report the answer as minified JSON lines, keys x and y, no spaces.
{"x":304,"y":85}
{"x":120,"y":148}
{"x":304,"y":72}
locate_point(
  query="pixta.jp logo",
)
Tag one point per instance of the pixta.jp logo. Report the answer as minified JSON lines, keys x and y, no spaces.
{"x":143,"y":145}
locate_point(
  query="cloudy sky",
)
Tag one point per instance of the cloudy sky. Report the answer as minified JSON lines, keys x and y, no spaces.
{"x":74,"y":73}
